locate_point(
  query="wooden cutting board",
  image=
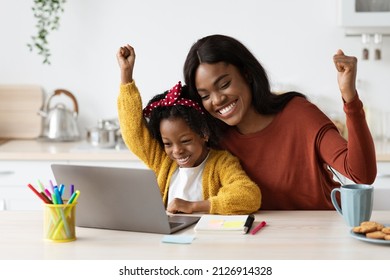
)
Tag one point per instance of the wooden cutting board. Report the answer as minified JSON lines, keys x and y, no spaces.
{"x":19,"y":106}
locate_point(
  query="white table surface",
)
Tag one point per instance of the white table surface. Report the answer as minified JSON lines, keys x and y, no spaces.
{"x":299,"y":235}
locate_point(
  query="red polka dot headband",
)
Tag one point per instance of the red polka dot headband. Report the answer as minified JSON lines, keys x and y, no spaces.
{"x":172,"y":98}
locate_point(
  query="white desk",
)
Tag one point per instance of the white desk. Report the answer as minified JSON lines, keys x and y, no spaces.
{"x":289,"y":235}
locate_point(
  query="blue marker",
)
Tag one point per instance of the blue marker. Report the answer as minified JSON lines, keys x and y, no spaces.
{"x":61,"y":189}
{"x":58,"y":195}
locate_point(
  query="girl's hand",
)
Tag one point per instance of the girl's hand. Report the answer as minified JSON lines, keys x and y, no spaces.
{"x":179,"y":205}
{"x":346,"y":76}
{"x":126,"y":61}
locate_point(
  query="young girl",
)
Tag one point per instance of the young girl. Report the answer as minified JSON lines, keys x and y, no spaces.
{"x":174,"y":143}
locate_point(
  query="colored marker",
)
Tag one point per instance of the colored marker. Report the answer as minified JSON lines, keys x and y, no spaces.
{"x":61,"y":211}
{"x":54,"y":198}
{"x":58,"y":195}
{"x":74,"y":197}
{"x":46,"y":198}
{"x":248,"y":223}
{"x":41,"y":186}
{"x":61,"y":189}
{"x":258,"y":227}
{"x":47,"y":192}
{"x":36,"y":192}
{"x":71,"y":190}
{"x":51,"y":186}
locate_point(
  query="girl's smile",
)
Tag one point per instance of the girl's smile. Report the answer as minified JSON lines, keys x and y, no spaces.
{"x":182,"y":144}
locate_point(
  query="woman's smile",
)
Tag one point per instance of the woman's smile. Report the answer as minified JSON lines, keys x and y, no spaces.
{"x":227,"y":109}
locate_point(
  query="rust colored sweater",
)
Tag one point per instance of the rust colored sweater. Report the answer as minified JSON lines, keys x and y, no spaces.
{"x":289,"y":158}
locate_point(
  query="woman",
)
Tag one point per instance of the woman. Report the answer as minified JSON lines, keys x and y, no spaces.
{"x":284,"y":142}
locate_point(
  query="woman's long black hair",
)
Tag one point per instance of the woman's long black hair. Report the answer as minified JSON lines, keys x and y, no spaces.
{"x":221,"y":48}
{"x":197,"y":121}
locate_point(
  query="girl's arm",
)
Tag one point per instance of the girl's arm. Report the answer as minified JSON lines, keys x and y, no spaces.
{"x":133,"y":128}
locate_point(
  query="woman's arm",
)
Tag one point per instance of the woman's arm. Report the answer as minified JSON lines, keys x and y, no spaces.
{"x":355,"y":158}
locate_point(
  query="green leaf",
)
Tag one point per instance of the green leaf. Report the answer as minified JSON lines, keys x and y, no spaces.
{"x":47,"y":15}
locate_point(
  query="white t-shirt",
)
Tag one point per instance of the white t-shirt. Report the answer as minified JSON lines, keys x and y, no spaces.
{"x":186,"y":183}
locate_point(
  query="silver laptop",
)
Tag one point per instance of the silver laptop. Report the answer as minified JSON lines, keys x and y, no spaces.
{"x":119,"y":199}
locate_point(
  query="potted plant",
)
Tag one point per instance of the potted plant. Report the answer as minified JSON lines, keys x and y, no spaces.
{"x":47,"y":14}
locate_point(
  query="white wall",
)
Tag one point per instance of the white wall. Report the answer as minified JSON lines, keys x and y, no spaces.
{"x":295,"y":41}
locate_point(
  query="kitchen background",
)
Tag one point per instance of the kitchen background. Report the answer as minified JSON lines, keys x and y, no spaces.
{"x":295,"y":41}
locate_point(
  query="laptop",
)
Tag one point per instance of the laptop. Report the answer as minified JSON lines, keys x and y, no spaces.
{"x":119,"y":199}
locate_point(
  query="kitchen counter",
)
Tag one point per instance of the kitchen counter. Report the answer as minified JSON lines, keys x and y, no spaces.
{"x":382,"y":149}
{"x":73,"y":151}
{"x":39,"y":150}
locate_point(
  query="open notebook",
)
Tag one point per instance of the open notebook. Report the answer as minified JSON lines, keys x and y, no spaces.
{"x":119,"y":199}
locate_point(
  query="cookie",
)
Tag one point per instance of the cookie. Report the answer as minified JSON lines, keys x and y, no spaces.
{"x":386,"y":230}
{"x":387,"y":237}
{"x":365,"y":229}
{"x":371,"y":223}
{"x":376,"y":235}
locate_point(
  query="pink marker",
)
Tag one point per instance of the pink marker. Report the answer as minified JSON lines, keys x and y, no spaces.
{"x":258,"y":227}
{"x":47,"y":192}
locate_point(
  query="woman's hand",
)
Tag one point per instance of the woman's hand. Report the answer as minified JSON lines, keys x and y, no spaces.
{"x":183,"y":206}
{"x":126,"y":61}
{"x":346,"y":76}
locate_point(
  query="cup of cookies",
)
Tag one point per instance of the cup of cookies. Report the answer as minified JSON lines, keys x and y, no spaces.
{"x":356,"y":203}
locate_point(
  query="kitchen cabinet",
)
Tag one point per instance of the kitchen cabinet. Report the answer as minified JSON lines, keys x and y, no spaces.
{"x":364,"y":13}
{"x":26,"y":161}
{"x":14,"y":177}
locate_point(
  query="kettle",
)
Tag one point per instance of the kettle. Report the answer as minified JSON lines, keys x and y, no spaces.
{"x":60,"y":123}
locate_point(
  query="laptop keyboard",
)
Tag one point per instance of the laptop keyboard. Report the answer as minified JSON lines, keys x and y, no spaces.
{"x":173,"y":224}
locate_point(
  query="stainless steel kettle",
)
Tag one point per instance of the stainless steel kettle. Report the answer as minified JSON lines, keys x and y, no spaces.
{"x":59,"y":123}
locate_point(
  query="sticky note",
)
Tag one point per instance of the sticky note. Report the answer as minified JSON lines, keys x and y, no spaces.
{"x":178,"y":239}
{"x":233,"y":224}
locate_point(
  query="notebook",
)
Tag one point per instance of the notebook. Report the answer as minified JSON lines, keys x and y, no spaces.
{"x":239,"y":224}
{"x":119,"y":199}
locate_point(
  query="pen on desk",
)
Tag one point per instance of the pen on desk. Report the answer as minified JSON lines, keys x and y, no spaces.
{"x":36,"y":192}
{"x":249,"y":223}
{"x":258,"y":227}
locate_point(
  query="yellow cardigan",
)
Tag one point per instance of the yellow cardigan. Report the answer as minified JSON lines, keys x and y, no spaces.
{"x":225,"y":183}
